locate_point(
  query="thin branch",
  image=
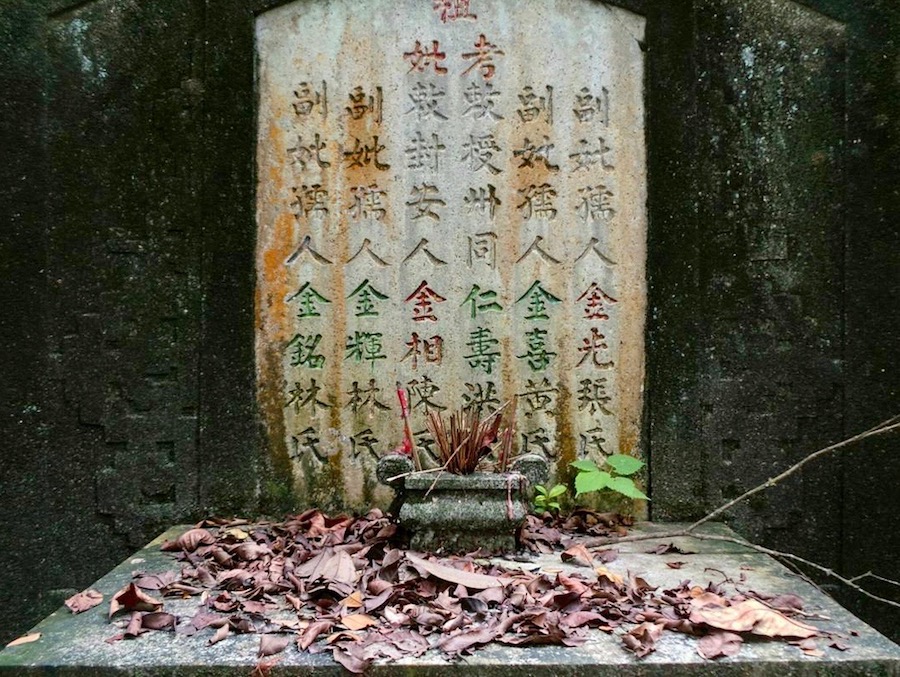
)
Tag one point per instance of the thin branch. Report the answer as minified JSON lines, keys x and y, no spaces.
{"x":869,"y":574}
{"x":849,"y":582}
{"x":880,"y":429}
{"x":889,"y":425}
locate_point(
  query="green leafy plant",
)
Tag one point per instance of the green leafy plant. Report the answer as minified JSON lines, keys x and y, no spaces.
{"x":616,"y":478}
{"x":546,"y":500}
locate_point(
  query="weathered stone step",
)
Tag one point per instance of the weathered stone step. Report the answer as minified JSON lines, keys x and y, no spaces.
{"x":75,"y":645}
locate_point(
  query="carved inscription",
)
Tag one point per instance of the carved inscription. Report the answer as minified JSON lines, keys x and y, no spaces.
{"x":454,"y":205}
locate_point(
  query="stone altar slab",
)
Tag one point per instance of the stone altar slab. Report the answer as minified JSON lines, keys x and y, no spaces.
{"x":75,"y":645}
{"x":451,"y":197}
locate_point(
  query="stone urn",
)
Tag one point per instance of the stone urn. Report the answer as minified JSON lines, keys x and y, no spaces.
{"x":443,"y":512}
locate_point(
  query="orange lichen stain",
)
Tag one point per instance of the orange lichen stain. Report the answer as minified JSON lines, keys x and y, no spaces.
{"x":565,"y":436}
{"x":272,"y":311}
{"x":270,"y":387}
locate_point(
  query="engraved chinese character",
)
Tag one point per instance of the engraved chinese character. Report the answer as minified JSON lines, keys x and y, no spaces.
{"x":425,"y":199}
{"x":363,"y":345}
{"x":537,"y":356}
{"x":422,"y":390}
{"x":306,"y":248}
{"x":597,"y":302}
{"x":587,"y":106}
{"x":593,"y":396}
{"x":538,"y":441}
{"x":533,"y":106}
{"x":361,"y":155}
{"x":452,"y":10}
{"x":310,"y":201}
{"x":482,"y":301}
{"x":365,"y":397}
{"x":483,"y":247}
{"x":593,"y":438}
{"x":306,"y":99}
{"x":362,"y":104}
{"x":586,"y":156}
{"x":424,"y":298}
{"x":366,"y":295}
{"x":425,"y":101}
{"x":364,"y":440}
{"x":536,"y":248}
{"x":308,"y":301}
{"x":479,"y":98}
{"x":424,"y":153}
{"x":420,"y":58}
{"x":304,"y":155}
{"x":530,"y":153}
{"x":481,"y":396}
{"x":483,"y":57}
{"x":593,"y":247}
{"x":431,"y":350}
{"x":366,"y":248}
{"x":425,"y":442}
{"x":538,"y":396}
{"x":304,"y":348}
{"x":480,"y":150}
{"x":596,"y":203}
{"x":483,"y":350}
{"x":307,"y":396}
{"x":592,"y":347}
{"x":484,"y":200}
{"x":537,"y":201}
{"x":368,"y":202}
{"x":538,"y":298}
{"x":422,"y":248}
{"x":307,"y":441}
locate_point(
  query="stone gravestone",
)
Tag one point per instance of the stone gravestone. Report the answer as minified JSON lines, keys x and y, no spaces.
{"x":452,"y":197}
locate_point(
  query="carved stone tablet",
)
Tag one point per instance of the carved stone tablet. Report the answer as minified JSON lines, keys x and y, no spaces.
{"x":452,"y":196}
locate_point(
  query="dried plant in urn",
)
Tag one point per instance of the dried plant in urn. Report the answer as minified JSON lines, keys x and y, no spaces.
{"x":476,"y":498}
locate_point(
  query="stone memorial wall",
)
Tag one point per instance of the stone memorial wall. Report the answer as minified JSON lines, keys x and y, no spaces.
{"x":452,"y":198}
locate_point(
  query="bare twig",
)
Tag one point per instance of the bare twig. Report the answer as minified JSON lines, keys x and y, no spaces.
{"x":882,"y":428}
{"x":869,"y":574}
{"x":831,"y":573}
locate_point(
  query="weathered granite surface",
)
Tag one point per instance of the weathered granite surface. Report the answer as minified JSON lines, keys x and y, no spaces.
{"x":452,"y":197}
{"x":74,"y":645}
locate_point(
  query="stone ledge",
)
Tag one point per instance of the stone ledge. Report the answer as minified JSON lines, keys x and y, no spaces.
{"x":74,"y":645}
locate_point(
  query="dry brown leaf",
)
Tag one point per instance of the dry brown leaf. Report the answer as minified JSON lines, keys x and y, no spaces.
{"x":577,"y":555}
{"x":357,"y":621}
{"x":752,"y":616}
{"x":469,"y":579}
{"x":271,"y":644}
{"x":131,"y":598}
{"x":190,"y":540}
{"x":83,"y":601}
{"x":312,"y":632}
{"x":25,"y":639}
{"x":355,"y":665}
{"x":604,"y":573}
{"x":641,"y":640}
{"x":353,"y":600}
{"x":455,"y":644}
{"x":719,"y":643}
{"x":158,"y":620}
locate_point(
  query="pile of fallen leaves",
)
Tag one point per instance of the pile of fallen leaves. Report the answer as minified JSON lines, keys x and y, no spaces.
{"x":341,"y":585}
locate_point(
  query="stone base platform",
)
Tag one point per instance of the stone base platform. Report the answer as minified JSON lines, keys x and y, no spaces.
{"x":75,"y":645}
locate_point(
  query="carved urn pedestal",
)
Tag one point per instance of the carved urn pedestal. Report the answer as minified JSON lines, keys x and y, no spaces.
{"x":442,"y":512}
